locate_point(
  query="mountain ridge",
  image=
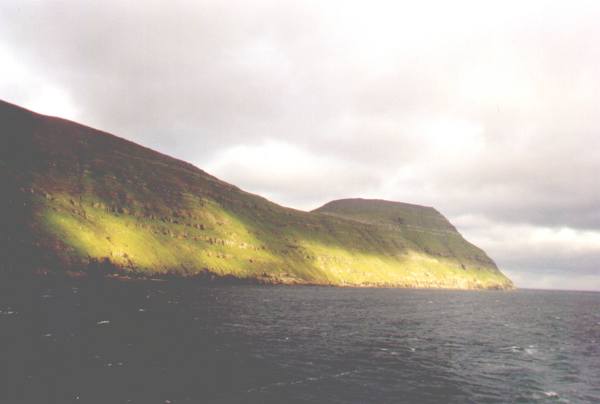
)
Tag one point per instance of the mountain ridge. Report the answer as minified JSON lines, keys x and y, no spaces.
{"x":80,"y":198}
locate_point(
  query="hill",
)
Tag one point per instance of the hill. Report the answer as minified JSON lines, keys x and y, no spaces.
{"x":80,"y":200}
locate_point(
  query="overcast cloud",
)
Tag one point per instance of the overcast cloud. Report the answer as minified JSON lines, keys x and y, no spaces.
{"x":488,"y":111}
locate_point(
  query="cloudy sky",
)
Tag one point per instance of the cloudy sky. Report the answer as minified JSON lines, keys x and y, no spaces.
{"x":489,"y":111}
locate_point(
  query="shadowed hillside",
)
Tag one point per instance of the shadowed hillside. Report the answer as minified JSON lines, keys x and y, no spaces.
{"x":80,"y":200}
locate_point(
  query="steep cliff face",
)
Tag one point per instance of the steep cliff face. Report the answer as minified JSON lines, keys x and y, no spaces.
{"x":78,"y":199}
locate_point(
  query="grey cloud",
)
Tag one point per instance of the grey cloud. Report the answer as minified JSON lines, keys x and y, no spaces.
{"x":146,"y":71}
{"x":546,"y":254}
{"x":292,"y":175}
{"x":487,"y":109}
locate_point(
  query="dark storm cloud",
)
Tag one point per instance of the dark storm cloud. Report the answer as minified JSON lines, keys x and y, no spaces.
{"x":480,"y":109}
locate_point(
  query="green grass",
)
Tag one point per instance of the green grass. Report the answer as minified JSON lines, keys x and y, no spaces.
{"x":93,"y":197}
{"x":224,"y":244}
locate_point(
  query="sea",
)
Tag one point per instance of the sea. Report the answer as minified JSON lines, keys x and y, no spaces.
{"x":167,"y":342}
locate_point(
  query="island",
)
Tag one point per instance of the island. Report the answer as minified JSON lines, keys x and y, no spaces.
{"x":80,"y":202}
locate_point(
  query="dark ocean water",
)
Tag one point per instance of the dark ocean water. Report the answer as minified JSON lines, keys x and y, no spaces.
{"x":159,"y":342}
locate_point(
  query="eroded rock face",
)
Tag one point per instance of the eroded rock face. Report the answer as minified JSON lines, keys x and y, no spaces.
{"x":76,"y":197}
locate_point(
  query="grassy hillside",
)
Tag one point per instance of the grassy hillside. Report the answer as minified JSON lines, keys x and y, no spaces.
{"x":78,"y":200}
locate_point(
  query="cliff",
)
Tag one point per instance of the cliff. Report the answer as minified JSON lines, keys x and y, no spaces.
{"x":79,"y":200}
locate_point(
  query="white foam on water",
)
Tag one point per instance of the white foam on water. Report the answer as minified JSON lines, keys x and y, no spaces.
{"x":515,"y":349}
{"x":302,"y":381}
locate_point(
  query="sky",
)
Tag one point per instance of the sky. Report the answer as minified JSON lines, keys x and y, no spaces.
{"x":488,"y":111}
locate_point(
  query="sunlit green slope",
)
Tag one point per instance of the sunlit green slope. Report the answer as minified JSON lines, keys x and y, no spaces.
{"x":78,"y":199}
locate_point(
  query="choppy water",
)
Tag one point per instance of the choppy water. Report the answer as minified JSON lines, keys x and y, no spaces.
{"x":157,"y":342}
